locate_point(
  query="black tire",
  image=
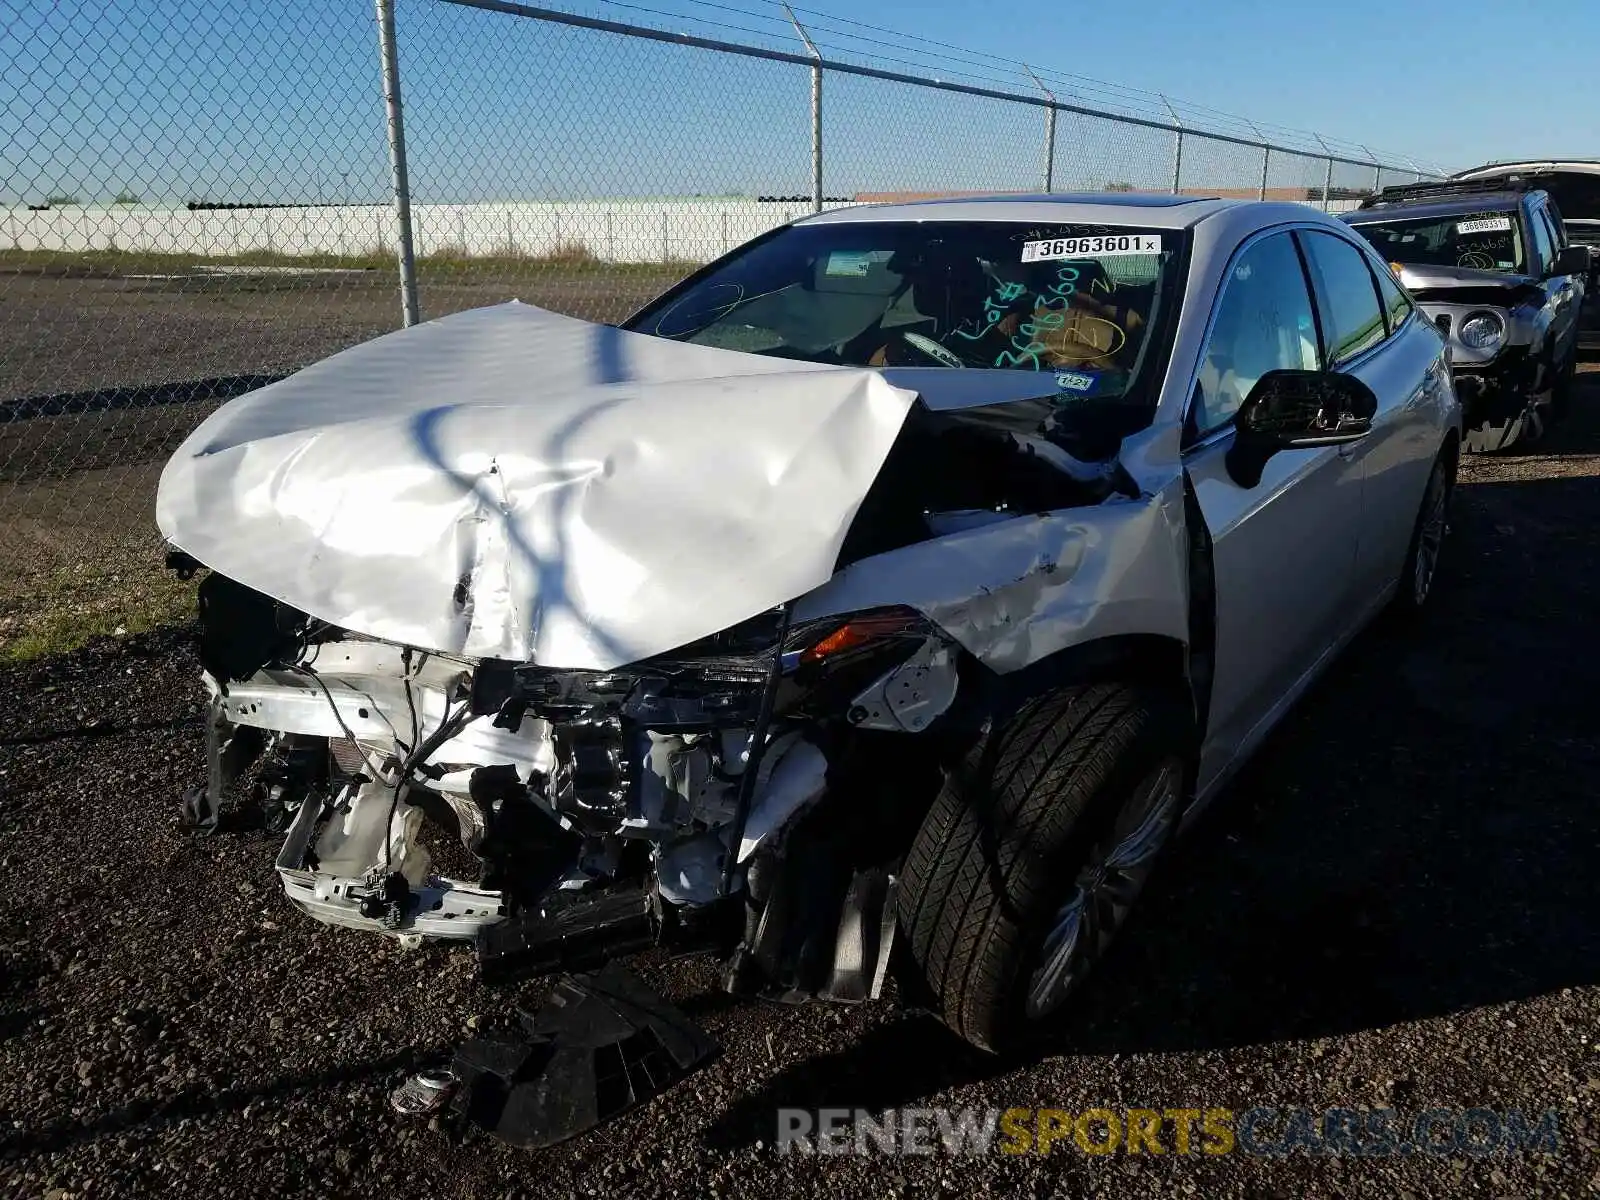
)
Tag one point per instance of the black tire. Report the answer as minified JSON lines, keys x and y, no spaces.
{"x":1000,"y":854}
{"x":1427,"y":535}
{"x":1566,"y":383}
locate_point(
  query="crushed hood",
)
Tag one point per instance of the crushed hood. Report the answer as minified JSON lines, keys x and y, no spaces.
{"x":511,"y":483}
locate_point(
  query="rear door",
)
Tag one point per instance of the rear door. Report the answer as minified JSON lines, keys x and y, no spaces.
{"x":1372,"y":332}
{"x":1284,"y":550}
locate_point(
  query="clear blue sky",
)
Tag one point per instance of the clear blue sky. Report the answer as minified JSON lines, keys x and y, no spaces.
{"x":184,"y":99}
{"x":1459,"y":83}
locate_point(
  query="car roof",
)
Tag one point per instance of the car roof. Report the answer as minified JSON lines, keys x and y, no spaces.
{"x":1578,"y":166}
{"x":1420,"y":209}
{"x":1150,"y":210}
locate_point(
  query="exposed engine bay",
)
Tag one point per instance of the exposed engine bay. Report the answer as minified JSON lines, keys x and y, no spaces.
{"x":672,"y":782}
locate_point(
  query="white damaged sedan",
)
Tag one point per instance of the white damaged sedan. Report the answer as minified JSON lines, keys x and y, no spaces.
{"x":894,"y":587}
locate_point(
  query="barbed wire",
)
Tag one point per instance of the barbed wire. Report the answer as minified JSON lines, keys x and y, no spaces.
{"x":850,"y":40}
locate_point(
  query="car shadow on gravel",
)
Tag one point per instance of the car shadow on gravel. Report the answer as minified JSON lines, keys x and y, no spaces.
{"x":1418,"y":839}
{"x":98,"y":729}
{"x":205,"y":1101}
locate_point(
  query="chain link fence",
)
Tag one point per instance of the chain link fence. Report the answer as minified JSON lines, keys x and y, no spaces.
{"x":197,"y":198}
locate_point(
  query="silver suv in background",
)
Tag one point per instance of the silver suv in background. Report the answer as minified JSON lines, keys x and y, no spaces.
{"x":1573,"y":184}
{"x":1491,"y":265}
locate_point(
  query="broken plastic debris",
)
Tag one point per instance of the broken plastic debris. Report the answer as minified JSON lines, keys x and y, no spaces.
{"x":424,"y":1093}
{"x":601,"y":1044}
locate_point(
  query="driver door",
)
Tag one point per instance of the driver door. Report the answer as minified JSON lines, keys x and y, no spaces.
{"x":1283,"y":550}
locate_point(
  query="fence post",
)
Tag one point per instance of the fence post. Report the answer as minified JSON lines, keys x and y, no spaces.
{"x":1266,"y":163}
{"x":1327,"y":174}
{"x":390,"y":62}
{"x":816,"y":137}
{"x":1050,"y":148}
{"x":1049,"y":130}
{"x":1377,"y":167}
{"x":816,"y":110}
{"x":1177,"y":145}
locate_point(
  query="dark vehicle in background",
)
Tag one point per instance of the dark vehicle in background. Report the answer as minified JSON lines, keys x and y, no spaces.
{"x":1491,"y":264}
{"x":1574,"y":185}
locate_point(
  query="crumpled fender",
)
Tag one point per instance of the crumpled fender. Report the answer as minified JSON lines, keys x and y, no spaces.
{"x":1016,"y":591}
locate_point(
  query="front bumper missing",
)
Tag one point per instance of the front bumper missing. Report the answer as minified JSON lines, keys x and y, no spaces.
{"x":441,"y":907}
{"x":332,"y":740}
{"x":1500,"y":390}
{"x":593,"y":832}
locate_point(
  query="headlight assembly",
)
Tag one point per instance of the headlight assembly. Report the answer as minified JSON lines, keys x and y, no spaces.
{"x":1482,"y":330}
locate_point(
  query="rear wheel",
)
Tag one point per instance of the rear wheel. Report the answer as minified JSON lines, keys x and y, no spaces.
{"x":1033,"y":854}
{"x":1427,"y":536}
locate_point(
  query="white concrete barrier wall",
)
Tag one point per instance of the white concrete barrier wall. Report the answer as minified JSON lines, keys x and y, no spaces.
{"x":629,"y":231}
{"x":612,"y":231}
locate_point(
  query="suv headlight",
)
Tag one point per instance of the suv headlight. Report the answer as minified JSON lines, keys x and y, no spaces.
{"x":1482,"y":330}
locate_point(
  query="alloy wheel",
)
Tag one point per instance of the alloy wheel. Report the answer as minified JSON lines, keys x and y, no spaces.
{"x":1430,"y":535}
{"x":1105,"y":888}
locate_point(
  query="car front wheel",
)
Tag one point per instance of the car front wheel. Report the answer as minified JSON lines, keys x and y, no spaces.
{"x":1033,"y":854}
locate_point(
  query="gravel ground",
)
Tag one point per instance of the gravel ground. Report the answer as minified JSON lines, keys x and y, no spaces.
{"x":1394,"y":905}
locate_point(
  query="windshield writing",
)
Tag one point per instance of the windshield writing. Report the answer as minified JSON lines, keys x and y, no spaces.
{"x":1480,"y":241}
{"x":986,"y":295}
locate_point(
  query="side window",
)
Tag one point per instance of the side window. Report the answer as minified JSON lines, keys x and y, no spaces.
{"x":1543,"y":250}
{"x":1347,"y":297}
{"x":1263,"y":322}
{"x":1396,"y":304}
{"x":1558,"y":230}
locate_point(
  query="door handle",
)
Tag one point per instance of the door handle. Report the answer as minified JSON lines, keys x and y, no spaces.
{"x":1348,"y":450}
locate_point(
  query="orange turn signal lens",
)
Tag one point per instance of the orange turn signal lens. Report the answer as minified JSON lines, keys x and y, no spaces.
{"x":859,"y":631}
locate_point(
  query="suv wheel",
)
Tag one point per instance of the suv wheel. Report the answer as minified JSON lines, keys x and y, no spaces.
{"x":1034,"y":852}
{"x":1566,"y":382}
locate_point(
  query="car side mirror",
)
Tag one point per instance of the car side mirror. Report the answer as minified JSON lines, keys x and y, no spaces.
{"x":1574,"y":260}
{"x":1295,"y":410}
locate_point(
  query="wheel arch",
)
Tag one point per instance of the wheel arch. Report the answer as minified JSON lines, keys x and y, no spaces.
{"x":1180,"y":667}
{"x":1150,"y":660}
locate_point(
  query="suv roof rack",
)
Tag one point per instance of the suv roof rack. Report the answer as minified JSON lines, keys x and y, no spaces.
{"x":1451,"y":187}
{"x":1530,"y":165}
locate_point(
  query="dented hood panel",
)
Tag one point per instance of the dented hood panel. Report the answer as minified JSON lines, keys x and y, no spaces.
{"x":514,"y":484}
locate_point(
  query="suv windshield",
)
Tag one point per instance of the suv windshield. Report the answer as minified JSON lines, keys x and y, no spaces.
{"x":1484,"y":241}
{"x":1077,"y":299}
